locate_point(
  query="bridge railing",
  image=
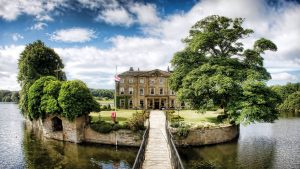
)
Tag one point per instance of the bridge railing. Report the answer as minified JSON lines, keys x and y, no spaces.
{"x":175,"y":158}
{"x":138,"y":163}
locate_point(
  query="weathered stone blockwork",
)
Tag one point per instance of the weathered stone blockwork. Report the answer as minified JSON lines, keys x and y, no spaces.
{"x":197,"y":137}
{"x":78,"y":131}
{"x":120,"y":137}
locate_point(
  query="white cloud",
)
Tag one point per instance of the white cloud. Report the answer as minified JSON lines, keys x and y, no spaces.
{"x":155,"y":49}
{"x":284,"y":76}
{"x":115,"y":16}
{"x":95,"y":4}
{"x":44,"y":18}
{"x":8,"y":66}
{"x":16,"y":37}
{"x":10,"y":10}
{"x":145,"y":14}
{"x":38,"y":26}
{"x":73,"y":35}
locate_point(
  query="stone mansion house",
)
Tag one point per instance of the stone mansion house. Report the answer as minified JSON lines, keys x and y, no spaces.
{"x":145,"y":90}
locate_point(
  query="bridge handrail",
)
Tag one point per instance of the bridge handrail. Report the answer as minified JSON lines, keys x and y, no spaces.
{"x":175,"y":157}
{"x":139,"y":159}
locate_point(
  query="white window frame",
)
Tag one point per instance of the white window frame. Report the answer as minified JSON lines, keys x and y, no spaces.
{"x":122,"y":90}
{"x":122,"y":105}
{"x":130,"y":101}
{"x":162,"y":91}
{"x":152,"y":81}
{"x":143,"y":103}
{"x":130,"y":91}
{"x":161,"y":81}
{"x":142,"y":80}
{"x":130,"y":80}
{"x":142,"y":93}
{"x":153,"y":91}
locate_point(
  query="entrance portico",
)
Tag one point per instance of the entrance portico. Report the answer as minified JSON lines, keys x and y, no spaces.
{"x":156,"y":102}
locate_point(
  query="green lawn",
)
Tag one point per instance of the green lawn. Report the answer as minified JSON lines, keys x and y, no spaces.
{"x":195,"y":118}
{"x":105,"y":102}
{"x":122,"y":115}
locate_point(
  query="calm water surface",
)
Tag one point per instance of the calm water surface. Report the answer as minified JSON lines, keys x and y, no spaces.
{"x":262,"y":145}
{"x":24,"y":148}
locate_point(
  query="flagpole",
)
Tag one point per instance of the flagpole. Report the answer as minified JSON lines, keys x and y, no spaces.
{"x":116,"y":90}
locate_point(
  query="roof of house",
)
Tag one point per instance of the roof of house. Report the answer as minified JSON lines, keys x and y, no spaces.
{"x":155,"y":72}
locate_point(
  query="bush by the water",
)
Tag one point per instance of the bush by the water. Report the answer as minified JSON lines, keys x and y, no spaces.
{"x":107,"y":127}
{"x":137,"y":121}
{"x":69,"y":99}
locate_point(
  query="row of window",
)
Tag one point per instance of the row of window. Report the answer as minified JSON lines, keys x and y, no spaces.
{"x":130,"y":104}
{"x":152,"y":81}
{"x":141,"y":91}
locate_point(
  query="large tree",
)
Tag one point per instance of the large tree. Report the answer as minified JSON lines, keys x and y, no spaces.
{"x":215,"y":70}
{"x":35,"y":61}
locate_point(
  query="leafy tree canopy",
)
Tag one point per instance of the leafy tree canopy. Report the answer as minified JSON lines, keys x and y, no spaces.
{"x":215,"y":70}
{"x":75,"y":99}
{"x":9,"y":96}
{"x":291,"y":103}
{"x":35,"y":61}
{"x":35,"y":94}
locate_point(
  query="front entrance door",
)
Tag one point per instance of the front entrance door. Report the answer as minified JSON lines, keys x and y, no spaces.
{"x":156,"y":105}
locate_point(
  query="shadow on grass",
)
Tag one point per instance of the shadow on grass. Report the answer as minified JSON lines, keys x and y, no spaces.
{"x":212,"y":120}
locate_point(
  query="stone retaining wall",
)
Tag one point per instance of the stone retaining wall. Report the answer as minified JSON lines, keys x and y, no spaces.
{"x":120,"y":137}
{"x":78,"y":131}
{"x":197,"y":137}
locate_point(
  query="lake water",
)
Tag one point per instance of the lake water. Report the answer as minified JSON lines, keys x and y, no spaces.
{"x":262,"y":145}
{"x":24,"y":148}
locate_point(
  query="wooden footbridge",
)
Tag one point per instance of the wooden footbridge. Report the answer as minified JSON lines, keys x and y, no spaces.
{"x":157,"y":150}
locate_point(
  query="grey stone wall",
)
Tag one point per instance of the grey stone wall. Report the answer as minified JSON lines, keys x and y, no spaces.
{"x":120,"y":137}
{"x":78,"y":131}
{"x":206,"y":136}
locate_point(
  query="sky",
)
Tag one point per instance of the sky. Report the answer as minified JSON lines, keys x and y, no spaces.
{"x":94,"y":36}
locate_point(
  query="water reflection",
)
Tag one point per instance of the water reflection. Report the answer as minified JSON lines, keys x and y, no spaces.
{"x":262,"y":145}
{"x":22,"y":147}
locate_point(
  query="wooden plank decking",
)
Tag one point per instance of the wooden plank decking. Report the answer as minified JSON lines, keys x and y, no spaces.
{"x":157,"y":155}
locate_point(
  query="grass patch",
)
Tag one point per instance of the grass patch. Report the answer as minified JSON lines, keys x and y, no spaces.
{"x":195,"y":118}
{"x":122,"y":115}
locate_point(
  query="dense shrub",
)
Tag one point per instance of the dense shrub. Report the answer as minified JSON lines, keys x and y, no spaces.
{"x":102,"y":127}
{"x":35,"y":94}
{"x":136,"y":122}
{"x":49,"y":102}
{"x":75,"y":99}
{"x":182,"y":130}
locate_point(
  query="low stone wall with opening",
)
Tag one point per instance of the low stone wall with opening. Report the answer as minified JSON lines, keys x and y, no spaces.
{"x":206,"y":136}
{"x":77,"y":131}
{"x":119,"y":137}
{"x":59,"y":128}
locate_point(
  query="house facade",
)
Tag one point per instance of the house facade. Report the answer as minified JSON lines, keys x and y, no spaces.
{"x":145,"y":90}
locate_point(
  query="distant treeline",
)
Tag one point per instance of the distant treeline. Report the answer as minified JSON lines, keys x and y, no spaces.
{"x":290,"y":97}
{"x":103,"y":93}
{"x":9,"y":96}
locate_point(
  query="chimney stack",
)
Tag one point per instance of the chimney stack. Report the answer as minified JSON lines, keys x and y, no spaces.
{"x":131,"y":69}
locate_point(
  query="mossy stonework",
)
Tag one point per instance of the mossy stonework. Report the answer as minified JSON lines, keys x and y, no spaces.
{"x":206,"y":136}
{"x":78,"y":131}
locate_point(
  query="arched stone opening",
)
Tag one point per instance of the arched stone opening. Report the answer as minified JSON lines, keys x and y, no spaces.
{"x":56,"y":124}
